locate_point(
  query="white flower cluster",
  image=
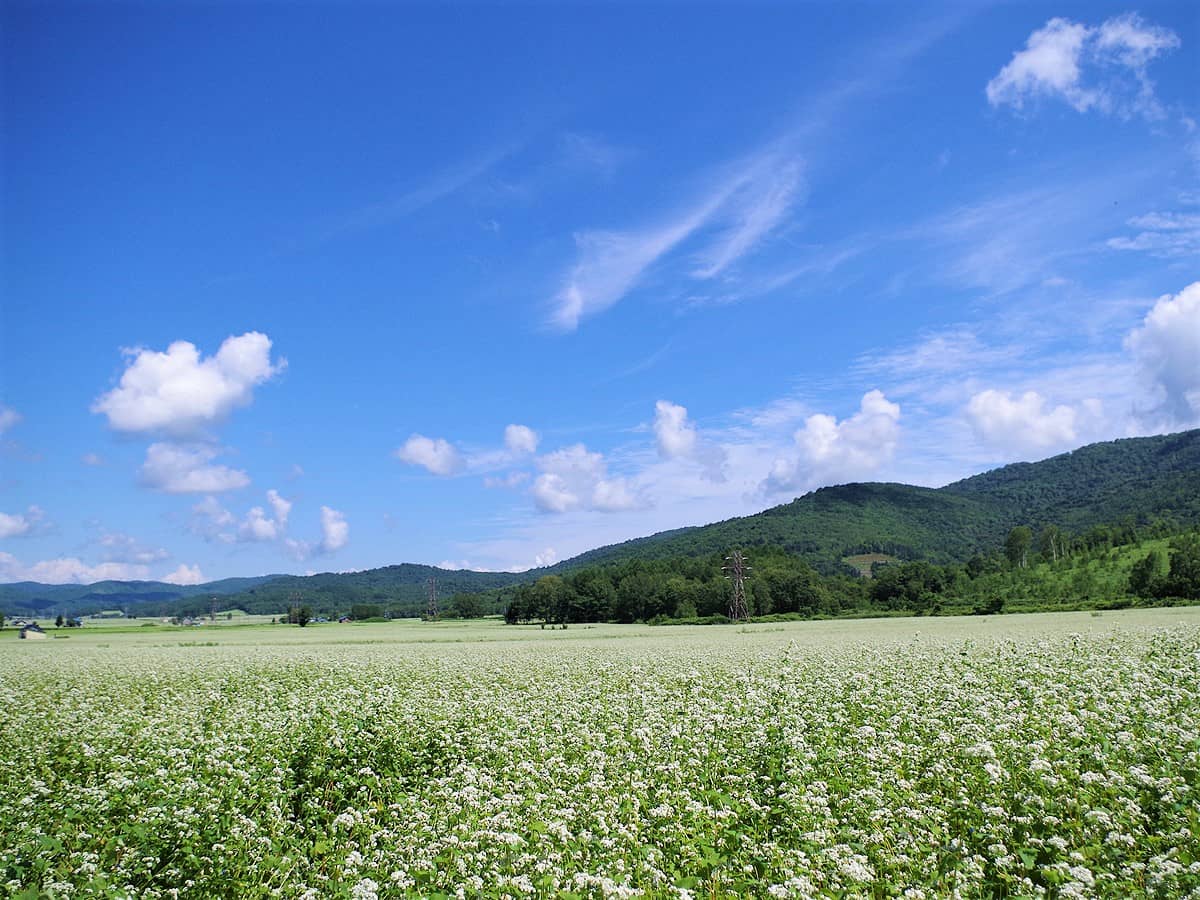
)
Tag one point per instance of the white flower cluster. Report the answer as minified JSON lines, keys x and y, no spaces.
{"x":798,"y":762}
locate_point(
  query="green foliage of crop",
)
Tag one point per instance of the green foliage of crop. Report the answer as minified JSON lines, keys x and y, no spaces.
{"x":1048,"y":756}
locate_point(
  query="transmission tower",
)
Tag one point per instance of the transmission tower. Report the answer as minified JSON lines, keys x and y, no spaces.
{"x":431,"y":611}
{"x":736,"y":568}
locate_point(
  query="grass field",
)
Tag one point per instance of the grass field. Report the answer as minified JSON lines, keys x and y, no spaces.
{"x":1041,"y":755}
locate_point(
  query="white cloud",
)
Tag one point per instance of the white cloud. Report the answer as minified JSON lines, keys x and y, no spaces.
{"x":676,"y":436}
{"x":280,"y":506}
{"x":335,"y":530}
{"x":677,"y":439}
{"x":8,"y":418}
{"x":180,"y":393}
{"x":211,"y":521}
{"x":575,"y":478}
{"x":13,"y":525}
{"x":768,"y":197}
{"x":1164,"y":235}
{"x":179,"y":469}
{"x":185,"y":574}
{"x":118,"y":547}
{"x":511,"y":480}
{"x":20,"y":524}
{"x":1101,"y":68}
{"x":438,"y":456}
{"x":69,"y":570}
{"x":829,"y":451}
{"x":257,"y":527}
{"x":1049,"y":64}
{"x":1025,"y":423}
{"x":1166,"y":347}
{"x":748,"y":202}
{"x":520,"y":439}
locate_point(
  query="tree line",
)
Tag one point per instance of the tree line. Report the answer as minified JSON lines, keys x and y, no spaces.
{"x":1051,"y":568}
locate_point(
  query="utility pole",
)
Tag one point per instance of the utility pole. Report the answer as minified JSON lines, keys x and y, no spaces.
{"x":212,"y":613}
{"x":431,"y":611}
{"x":736,"y":567}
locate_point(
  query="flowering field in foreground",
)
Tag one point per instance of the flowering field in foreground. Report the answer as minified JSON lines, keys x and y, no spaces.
{"x":1054,"y":755}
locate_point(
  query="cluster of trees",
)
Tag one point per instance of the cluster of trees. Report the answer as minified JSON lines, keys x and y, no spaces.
{"x":1049,"y":568}
{"x":680,"y":588}
{"x":1159,"y":577}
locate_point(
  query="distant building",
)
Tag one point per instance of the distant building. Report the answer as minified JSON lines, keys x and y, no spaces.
{"x":32,"y":631}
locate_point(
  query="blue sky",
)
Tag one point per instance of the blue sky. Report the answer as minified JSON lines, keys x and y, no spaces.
{"x":293,"y":288}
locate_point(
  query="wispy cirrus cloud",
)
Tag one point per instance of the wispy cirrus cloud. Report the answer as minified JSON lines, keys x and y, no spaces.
{"x":738,"y":209}
{"x":1166,"y":235}
{"x":437,"y":186}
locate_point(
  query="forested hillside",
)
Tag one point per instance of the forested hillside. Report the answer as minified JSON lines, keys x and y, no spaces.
{"x":1144,"y":485}
{"x":1144,"y":480}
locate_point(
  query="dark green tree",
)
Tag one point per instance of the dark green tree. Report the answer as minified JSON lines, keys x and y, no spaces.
{"x":1183,"y":579}
{"x":304,"y":616}
{"x":1016,"y":547}
{"x":1145,"y":578}
{"x":58,"y":623}
{"x":466,"y":606}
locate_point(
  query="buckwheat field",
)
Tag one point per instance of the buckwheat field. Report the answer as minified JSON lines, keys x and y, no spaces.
{"x":1055,"y":755}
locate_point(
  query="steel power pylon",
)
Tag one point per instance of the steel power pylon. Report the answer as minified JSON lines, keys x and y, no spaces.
{"x":431,"y":611}
{"x":736,"y":567}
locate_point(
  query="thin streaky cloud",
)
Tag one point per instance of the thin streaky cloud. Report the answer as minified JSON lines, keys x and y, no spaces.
{"x":439,"y":186}
{"x":748,"y":202}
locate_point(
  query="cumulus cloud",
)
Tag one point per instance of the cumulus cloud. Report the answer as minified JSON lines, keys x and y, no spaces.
{"x":1090,"y":68}
{"x":576,"y":478}
{"x":118,"y":547}
{"x":188,"y":469}
{"x":212,"y":521}
{"x":280,"y":506}
{"x":828,"y":451}
{"x":1166,"y":347}
{"x":335,"y":530}
{"x":185,"y":574}
{"x":8,"y":418}
{"x":69,"y":570}
{"x":20,"y":524}
{"x":1026,"y":423}
{"x":677,"y":438}
{"x":437,"y":455}
{"x":258,"y":526}
{"x":520,"y":439}
{"x":181,"y":393}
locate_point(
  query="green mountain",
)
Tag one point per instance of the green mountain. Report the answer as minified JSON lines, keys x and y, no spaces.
{"x":1142,"y":480}
{"x":402,"y":589}
{"x":1137,"y":481}
{"x":32,"y":598}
